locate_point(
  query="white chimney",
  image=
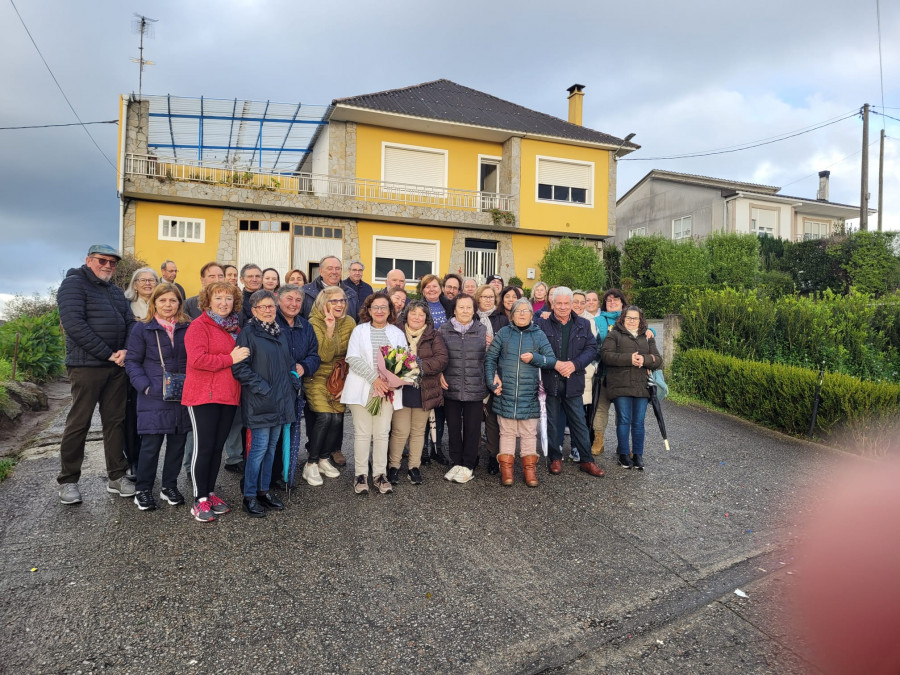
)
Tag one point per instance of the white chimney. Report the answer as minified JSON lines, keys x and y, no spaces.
{"x":822,"y":194}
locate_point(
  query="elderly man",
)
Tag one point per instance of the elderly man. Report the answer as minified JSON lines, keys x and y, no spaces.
{"x":354,"y":281}
{"x":168,"y":271}
{"x":97,"y":320}
{"x":395,"y":279}
{"x":210,"y":272}
{"x":575,"y":348}
{"x":251,"y":280}
{"x":330,"y":268}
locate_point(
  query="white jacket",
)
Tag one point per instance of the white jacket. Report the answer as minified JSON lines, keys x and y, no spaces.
{"x":356,"y":389}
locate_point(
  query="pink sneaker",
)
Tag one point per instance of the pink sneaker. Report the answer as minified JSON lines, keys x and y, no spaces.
{"x":217,"y":505}
{"x":202,"y":511}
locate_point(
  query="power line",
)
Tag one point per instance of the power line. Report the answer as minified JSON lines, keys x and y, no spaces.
{"x":745,"y":146}
{"x":69,"y":124}
{"x":890,"y":117}
{"x":842,"y":159}
{"x":58,"y":86}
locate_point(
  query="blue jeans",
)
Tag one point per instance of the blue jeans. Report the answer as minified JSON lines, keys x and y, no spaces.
{"x":559,"y":410}
{"x":630,"y":413}
{"x":258,"y":471}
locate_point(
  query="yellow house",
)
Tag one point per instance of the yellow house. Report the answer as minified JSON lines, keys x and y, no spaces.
{"x":432,"y":178}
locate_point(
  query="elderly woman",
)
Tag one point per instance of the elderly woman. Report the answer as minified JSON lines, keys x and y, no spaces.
{"x":375,"y":330}
{"x":269,"y":388}
{"x":271,"y":280}
{"x":211,"y":393}
{"x":539,"y":295}
{"x":398,"y":299}
{"x":325,"y":426}
{"x":305,"y":352}
{"x":628,"y":355}
{"x":488,"y":310}
{"x":512,"y":370}
{"x":508,"y":297}
{"x":156,"y":345}
{"x":464,"y":386}
{"x":409,"y":423}
{"x":297,"y":278}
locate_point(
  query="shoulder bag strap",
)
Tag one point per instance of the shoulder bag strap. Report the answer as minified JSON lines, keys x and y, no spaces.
{"x":160,"y":351}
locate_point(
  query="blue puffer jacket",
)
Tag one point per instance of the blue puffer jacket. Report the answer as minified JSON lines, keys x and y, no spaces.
{"x":302,"y":342}
{"x":582,"y":350}
{"x":95,"y":316}
{"x":518,"y":399}
{"x":155,"y":416}
{"x":268,"y":389}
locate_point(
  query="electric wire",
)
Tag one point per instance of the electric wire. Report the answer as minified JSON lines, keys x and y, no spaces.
{"x":50,"y":126}
{"x":58,"y":86}
{"x":842,"y":159}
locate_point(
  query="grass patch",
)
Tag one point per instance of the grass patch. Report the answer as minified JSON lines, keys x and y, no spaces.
{"x":6,"y":467}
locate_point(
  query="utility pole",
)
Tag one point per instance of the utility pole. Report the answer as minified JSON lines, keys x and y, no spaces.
{"x":864,"y":188}
{"x":881,"y":180}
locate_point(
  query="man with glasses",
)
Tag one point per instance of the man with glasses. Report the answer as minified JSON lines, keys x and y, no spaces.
{"x":330,"y":268}
{"x":168,"y":271}
{"x":354,"y":281}
{"x":96,"y":319}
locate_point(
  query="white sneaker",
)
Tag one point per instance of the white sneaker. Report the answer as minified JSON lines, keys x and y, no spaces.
{"x":451,"y":474}
{"x":327,"y":469}
{"x":311,"y":474}
{"x":464,"y":475}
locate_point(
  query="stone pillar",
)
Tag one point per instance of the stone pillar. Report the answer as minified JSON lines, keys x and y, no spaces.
{"x":611,"y":198}
{"x":511,"y":171}
{"x":138,"y":122}
{"x":671,"y":331}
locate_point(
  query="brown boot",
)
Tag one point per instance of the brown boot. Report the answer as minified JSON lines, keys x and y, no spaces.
{"x":597,"y":447}
{"x":506,"y":468}
{"x":529,"y":468}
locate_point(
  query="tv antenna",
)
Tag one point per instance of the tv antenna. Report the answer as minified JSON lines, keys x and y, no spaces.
{"x":144,"y":26}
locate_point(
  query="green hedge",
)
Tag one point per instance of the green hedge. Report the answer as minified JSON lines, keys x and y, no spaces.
{"x":658,"y":301}
{"x":780,"y":396}
{"x":42,"y":349}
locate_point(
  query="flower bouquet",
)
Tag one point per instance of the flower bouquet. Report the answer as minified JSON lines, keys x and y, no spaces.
{"x":397,"y":366}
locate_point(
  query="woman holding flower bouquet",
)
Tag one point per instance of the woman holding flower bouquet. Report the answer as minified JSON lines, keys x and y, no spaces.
{"x":409,"y":423}
{"x":367,"y":391}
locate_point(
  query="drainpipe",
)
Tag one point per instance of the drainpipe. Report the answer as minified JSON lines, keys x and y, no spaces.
{"x":123,"y":122}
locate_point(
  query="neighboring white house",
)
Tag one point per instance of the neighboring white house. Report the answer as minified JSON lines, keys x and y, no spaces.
{"x":680,"y":206}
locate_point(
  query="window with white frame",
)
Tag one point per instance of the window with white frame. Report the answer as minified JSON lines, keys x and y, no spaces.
{"x":562,"y":180}
{"x":637,"y":232}
{"x":412,"y":165}
{"x":415,"y":257}
{"x":815,"y":229}
{"x":681,"y":227}
{"x":264,"y":225}
{"x":764,"y":222}
{"x":191,"y":230}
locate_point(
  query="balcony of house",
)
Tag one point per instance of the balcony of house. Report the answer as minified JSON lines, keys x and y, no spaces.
{"x":151,"y":177}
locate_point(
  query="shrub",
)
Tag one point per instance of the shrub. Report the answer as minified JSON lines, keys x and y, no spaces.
{"x":868,"y":260}
{"x":658,"y":301}
{"x":515,"y":281}
{"x":781,"y":397}
{"x":812,"y":268}
{"x":127,"y":266}
{"x":6,"y":467}
{"x":612,"y":259}
{"x":733,"y":258}
{"x":574,"y":264}
{"x":774,"y":284}
{"x":638,"y":255}
{"x":728,"y":321}
{"x":30,"y":305}
{"x":42,"y":351}
{"x":681,"y":262}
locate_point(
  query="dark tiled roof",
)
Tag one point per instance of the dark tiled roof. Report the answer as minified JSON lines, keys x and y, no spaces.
{"x":450,"y":102}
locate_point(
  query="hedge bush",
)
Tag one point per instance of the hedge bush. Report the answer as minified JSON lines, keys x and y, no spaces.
{"x":41,"y":347}
{"x":658,"y":301}
{"x":573,"y":263}
{"x":781,"y":397}
{"x":733,"y":258}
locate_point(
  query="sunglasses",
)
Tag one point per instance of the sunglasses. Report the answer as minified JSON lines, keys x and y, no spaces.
{"x":106,"y":262}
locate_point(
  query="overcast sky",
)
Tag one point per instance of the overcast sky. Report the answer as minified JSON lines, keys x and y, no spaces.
{"x":685,"y":77}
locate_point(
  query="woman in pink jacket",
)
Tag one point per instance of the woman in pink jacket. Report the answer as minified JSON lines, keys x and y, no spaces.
{"x":211,"y":393}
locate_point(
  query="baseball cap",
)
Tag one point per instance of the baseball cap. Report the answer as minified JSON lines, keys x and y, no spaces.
{"x":103,"y":249}
{"x":494,"y":276}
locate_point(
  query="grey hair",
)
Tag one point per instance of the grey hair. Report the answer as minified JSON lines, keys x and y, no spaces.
{"x":289,"y":288}
{"x":524,"y":302}
{"x":562,"y":291}
{"x":162,"y":268}
{"x":357,"y":262}
{"x":249,"y":266}
{"x":327,"y":257}
{"x":465,"y":279}
{"x":261,"y":295}
{"x":131,"y":292}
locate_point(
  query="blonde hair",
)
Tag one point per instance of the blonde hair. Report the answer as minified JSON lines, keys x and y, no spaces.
{"x":162,"y":289}
{"x":326,"y":294}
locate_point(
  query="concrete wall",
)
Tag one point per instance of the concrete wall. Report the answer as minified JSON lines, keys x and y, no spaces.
{"x":656,"y":203}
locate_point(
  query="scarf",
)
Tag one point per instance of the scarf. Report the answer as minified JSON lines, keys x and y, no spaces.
{"x":634,"y":333}
{"x":168,"y":325}
{"x":485,"y":318}
{"x":412,"y":337}
{"x":270,"y":327}
{"x":461,"y":328}
{"x":231,"y":324}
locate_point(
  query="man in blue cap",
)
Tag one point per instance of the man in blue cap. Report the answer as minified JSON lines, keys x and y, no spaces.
{"x":97,"y":319}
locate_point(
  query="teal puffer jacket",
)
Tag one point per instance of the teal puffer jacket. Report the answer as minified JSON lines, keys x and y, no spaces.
{"x":518,"y":399}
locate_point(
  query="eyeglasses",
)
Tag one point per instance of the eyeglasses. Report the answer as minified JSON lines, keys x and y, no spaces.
{"x":379,"y":308}
{"x":337,"y":302}
{"x":523,"y":310}
{"x":146,"y":281}
{"x":265,"y":308}
{"x":632,"y":318}
{"x":106,"y":262}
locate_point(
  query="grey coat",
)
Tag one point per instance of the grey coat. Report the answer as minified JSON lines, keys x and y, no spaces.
{"x":465,"y":367}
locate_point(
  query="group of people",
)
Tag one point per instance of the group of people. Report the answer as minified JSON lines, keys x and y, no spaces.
{"x":234,"y":370}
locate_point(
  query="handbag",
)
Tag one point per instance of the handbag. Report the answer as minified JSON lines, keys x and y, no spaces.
{"x":172,"y":383}
{"x":662,"y":389}
{"x":335,"y":382}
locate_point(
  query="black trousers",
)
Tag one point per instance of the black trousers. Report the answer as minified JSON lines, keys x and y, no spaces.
{"x":464,"y":429}
{"x":151,"y":444}
{"x":211,"y":423}
{"x":325,"y":436}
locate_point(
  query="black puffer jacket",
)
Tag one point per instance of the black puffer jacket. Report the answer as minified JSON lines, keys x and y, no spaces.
{"x":622,"y":378}
{"x":465,"y":367}
{"x":96,"y":317}
{"x":268,"y":389}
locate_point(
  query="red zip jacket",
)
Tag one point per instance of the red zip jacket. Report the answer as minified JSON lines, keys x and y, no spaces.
{"x":209,"y":378}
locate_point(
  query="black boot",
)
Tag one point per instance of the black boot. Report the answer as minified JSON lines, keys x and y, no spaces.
{"x":638,"y":462}
{"x":493,"y":465}
{"x":270,"y":501}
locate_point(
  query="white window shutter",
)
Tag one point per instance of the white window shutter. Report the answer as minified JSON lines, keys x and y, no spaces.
{"x":567,"y":174}
{"x":414,"y":167}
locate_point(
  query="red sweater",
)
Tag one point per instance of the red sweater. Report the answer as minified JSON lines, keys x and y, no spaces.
{"x":209,"y":378}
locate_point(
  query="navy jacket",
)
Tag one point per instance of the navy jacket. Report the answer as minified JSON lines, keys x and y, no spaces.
{"x":95,"y":316}
{"x":363,"y":291}
{"x":302,"y":342}
{"x":268,"y":389}
{"x":154,"y":415}
{"x":311,"y":292}
{"x":582,"y":351}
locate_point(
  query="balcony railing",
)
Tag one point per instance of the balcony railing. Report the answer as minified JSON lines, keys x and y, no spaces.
{"x":318,"y":185}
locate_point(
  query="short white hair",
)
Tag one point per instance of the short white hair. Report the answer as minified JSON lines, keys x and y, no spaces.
{"x":561,"y":291}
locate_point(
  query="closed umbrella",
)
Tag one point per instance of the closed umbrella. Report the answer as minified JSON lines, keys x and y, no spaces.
{"x":657,"y":410}
{"x":542,"y":399}
{"x":290,"y":445}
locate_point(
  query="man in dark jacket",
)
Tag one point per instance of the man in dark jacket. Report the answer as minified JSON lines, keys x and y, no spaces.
{"x":251,"y":280}
{"x":97,"y":320}
{"x":354,"y":281}
{"x":575,"y":348}
{"x":330,"y":268}
{"x":210,"y":272}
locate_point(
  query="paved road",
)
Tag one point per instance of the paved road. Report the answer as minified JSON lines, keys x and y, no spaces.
{"x":631,"y":573}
